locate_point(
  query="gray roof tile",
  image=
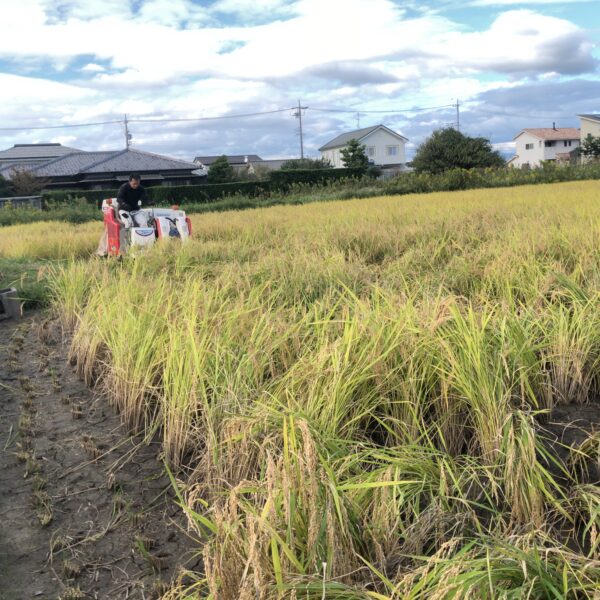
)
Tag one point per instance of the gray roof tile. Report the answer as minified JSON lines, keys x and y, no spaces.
{"x":35,"y":151}
{"x":6,"y":169}
{"x":110,"y":162}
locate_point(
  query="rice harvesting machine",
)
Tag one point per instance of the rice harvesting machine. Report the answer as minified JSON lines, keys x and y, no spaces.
{"x":123,"y":233}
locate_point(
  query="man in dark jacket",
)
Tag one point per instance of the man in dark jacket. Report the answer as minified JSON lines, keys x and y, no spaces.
{"x":129,"y":199}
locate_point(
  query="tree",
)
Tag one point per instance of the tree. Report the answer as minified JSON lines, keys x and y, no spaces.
{"x":5,"y":188}
{"x":221,"y":171}
{"x":306,"y":163}
{"x":450,"y":149}
{"x":25,"y":183}
{"x":354,"y":157}
{"x":590,"y":147}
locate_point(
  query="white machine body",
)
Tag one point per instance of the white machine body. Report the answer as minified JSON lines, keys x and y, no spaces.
{"x":142,"y":228}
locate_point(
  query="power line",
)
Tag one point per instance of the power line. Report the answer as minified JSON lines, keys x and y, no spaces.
{"x":508,"y":114}
{"x":66,"y":126}
{"x":241,"y":116}
{"x":146,"y":120}
{"x":221,"y":117}
{"x":388,"y":112}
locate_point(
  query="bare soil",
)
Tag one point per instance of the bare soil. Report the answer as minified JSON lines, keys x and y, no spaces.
{"x":83,"y":505}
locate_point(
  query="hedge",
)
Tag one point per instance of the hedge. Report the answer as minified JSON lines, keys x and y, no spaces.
{"x":463,"y":179}
{"x":283,"y":179}
{"x":280,"y":181}
{"x":312,"y":183}
{"x":175,"y":194}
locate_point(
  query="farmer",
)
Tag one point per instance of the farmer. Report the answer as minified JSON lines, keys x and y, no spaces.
{"x":129,"y":199}
{"x":129,"y":202}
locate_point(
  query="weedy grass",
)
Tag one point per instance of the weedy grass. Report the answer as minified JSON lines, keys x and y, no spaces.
{"x":353,"y":394}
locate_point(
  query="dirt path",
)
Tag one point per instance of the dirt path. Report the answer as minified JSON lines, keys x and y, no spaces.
{"x":83,"y":506}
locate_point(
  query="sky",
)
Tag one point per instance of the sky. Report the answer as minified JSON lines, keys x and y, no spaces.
{"x":191,"y":76}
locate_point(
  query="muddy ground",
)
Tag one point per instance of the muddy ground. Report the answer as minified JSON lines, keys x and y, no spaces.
{"x":85,"y":509}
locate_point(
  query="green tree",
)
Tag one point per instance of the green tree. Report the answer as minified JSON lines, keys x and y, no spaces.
{"x":25,"y":183}
{"x":5,"y":188}
{"x":450,"y":149}
{"x":590,"y":147}
{"x":221,"y":171}
{"x":354,"y":157}
{"x":306,"y":163}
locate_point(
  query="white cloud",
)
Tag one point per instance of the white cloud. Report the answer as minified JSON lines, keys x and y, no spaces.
{"x":93,"y":68}
{"x":520,"y":41}
{"x":14,"y":89}
{"x":174,"y":57}
{"x":521,"y":2}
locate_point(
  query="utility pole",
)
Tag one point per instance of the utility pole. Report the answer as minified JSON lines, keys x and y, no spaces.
{"x":357,"y":120}
{"x":457,"y":115}
{"x":127,"y":134}
{"x":298,"y":115}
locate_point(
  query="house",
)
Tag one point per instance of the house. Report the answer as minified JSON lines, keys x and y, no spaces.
{"x":243,"y":163}
{"x":383,"y":147}
{"x":33,"y":153}
{"x":590,"y":125}
{"x":238,"y":161}
{"x":108,"y":170}
{"x":534,"y":146}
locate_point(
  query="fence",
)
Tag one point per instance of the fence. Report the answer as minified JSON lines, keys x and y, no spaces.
{"x":22,"y":202}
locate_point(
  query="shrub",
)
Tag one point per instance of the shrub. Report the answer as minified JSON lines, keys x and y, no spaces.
{"x":282,"y":180}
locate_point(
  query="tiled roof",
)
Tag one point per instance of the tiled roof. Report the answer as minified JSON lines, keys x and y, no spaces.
{"x":357,"y":134}
{"x":35,"y":151}
{"x":110,"y":162}
{"x":71,"y":164}
{"x":232,"y":159}
{"x":6,"y":169}
{"x":548,"y":133}
{"x":138,"y":160}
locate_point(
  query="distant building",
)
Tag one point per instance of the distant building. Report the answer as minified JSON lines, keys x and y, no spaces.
{"x":534,"y":146}
{"x":383,"y":147}
{"x":590,"y":125}
{"x":249,"y":163}
{"x":33,"y":153}
{"x":108,"y":169}
{"x":239,"y":162}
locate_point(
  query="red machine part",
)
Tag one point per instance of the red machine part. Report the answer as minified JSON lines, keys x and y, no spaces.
{"x":112,"y":230}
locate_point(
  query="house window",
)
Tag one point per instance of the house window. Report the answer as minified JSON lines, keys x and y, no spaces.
{"x":528,"y":146}
{"x":370,"y":150}
{"x":549,"y":143}
{"x":391,"y":150}
{"x":567,"y":143}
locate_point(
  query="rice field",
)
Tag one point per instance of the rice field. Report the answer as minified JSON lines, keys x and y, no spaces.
{"x":360,"y":399}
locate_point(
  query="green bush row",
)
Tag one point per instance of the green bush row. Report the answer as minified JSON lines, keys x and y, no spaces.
{"x":176,"y":194}
{"x":463,"y":179}
{"x":280,"y":181}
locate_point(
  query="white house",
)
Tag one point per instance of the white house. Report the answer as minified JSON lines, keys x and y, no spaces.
{"x":533,"y":146}
{"x":590,"y":125}
{"x":383,"y":147}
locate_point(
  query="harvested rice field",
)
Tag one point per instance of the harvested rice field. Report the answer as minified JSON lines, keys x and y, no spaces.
{"x":383,"y":399}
